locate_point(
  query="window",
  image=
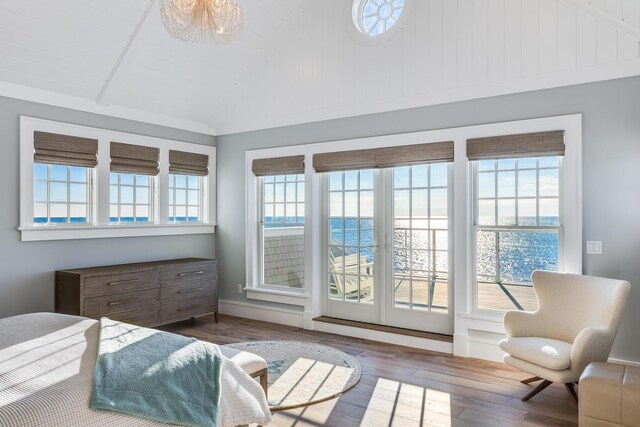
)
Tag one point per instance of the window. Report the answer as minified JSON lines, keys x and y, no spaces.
{"x":185,"y":198}
{"x":281,"y":227}
{"x":374,"y":17}
{"x":131,"y":198}
{"x":61,"y":194}
{"x":420,"y":237}
{"x":79,"y":182}
{"x":517,"y":229}
{"x":351,"y":236}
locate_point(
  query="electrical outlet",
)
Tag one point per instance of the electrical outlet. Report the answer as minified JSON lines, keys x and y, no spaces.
{"x":240,"y":288}
{"x":594,"y":247}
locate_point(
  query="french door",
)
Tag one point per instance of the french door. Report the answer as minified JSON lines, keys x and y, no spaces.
{"x":387,"y":235}
{"x":351,"y":246}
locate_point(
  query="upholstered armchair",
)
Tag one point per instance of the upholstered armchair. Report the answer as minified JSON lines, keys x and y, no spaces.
{"x":575,"y":324}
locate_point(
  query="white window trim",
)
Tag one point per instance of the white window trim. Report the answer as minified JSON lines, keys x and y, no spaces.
{"x":475,"y":334}
{"x":100,"y":227}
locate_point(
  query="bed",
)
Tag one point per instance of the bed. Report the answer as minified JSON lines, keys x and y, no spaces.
{"x":46,"y":369}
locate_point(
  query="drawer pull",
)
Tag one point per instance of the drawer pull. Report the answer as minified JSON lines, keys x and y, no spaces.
{"x":192,"y":273}
{"x":191,"y":307}
{"x":123,"y":301}
{"x":185,"y":291}
{"x":124,"y":282}
{"x":129,"y":319}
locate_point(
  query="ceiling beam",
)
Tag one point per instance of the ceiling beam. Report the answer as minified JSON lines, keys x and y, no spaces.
{"x":135,"y":46}
{"x":617,"y":23}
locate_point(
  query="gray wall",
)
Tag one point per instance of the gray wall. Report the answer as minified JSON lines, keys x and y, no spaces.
{"x":611,"y":173}
{"x":27,"y":279}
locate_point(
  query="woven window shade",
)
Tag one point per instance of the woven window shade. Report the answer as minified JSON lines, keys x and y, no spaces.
{"x":181,"y":162}
{"x":522,"y":145}
{"x":386,"y":157}
{"x":278,"y":166}
{"x":128,"y":158}
{"x":55,"y":149}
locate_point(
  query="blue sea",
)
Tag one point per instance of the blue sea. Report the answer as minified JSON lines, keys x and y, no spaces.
{"x":83,"y":220}
{"x":520,"y":252}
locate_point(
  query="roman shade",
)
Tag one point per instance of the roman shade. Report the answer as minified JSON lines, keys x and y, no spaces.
{"x":56,"y":149}
{"x":128,"y":158}
{"x":182,"y":162}
{"x":278,"y":166}
{"x":387,"y":157}
{"x":521,"y":145}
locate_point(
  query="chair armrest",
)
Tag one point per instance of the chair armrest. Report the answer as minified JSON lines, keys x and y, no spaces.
{"x":523,"y":324}
{"x":591,"y":345}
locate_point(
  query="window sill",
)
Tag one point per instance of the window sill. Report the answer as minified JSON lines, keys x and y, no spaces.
{"x":298,"y":298}
{"x":72,"y":232}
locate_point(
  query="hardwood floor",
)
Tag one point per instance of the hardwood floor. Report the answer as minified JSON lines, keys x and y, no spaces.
{"x":402,"y":386}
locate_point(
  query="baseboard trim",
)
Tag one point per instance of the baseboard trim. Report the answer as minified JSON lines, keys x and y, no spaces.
{"x":278,"y":315}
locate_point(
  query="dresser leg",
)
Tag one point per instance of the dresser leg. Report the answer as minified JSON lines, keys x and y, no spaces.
{"x":215,"y":317}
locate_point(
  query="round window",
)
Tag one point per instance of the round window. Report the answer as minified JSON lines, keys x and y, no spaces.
{"x":375,"y":17}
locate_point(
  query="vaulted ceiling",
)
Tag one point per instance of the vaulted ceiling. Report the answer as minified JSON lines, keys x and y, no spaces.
{"x":299,"y":60}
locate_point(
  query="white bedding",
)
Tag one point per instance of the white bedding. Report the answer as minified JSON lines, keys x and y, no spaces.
{"x":46,"y":368}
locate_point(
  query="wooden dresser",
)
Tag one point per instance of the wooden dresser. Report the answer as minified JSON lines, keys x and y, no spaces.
{"x":146,"y":294}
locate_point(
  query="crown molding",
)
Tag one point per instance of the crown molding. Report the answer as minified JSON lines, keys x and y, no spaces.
{"x":41,"y":96}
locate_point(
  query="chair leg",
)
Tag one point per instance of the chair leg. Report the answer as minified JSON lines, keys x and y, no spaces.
{"x":544,"y":384}
{"x":572,"y":393}
{"x":262,"y":374}
{"x":531,"y":380}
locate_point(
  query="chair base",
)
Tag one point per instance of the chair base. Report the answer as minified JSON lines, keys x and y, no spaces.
{"x":546,"y":383}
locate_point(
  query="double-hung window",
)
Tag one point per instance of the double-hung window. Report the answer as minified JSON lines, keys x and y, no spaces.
{"x":63,"y":171}
{"x":281,"y":223}
{"x":186,"y":186}
{"x":132,"y":183}
{"x":517,"y":223}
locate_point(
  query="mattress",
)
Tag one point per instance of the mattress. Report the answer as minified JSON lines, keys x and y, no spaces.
{"x":46,"y":369}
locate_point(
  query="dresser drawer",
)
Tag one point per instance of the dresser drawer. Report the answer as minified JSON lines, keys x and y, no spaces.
{"x":188,"y":308}
{"x":188,"y":273}
{"x":186,"y":290}
{"x":142,"y":316}
{"x":100,"y":285}
{"x":107,"y":304}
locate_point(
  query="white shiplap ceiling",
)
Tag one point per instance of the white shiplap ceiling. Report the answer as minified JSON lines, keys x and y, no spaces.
{"x":298,"y":60}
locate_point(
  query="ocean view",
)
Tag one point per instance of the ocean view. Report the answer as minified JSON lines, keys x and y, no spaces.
{"x":81,"y":220}
{"x":520,"y":252}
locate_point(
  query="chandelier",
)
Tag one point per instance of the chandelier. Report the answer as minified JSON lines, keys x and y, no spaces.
{"x":200,"y":21}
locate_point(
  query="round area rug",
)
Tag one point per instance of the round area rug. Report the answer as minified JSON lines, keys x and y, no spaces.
{"x":303,"y":373}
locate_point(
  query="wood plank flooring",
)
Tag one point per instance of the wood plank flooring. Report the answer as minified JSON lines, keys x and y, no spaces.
{"x":401,"y":386}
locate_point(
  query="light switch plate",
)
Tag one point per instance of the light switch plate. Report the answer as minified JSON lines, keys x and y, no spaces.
{"x":240,"y":288}
{"x":594,"y":247}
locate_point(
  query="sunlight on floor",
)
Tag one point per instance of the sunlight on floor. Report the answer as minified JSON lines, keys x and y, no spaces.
{"x":307,"y":379}
{"x":399,"y":404}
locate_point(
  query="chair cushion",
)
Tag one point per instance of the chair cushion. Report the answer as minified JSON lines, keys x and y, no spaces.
{"x":249,"y":362}
{"x":545,"y":352}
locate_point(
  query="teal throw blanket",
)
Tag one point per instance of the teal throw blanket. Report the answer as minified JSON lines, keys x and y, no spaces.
{"x":156,"y":375}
